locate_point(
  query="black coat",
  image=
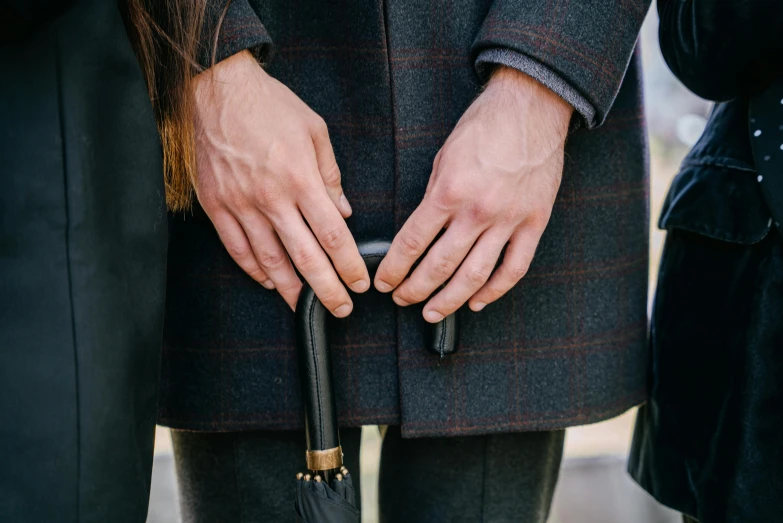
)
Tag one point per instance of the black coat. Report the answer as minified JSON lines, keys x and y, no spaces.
{"x":722,"y":49}
{"x":710,"y":441}
{"x":82,"y":266}
{"x":567,"y":346}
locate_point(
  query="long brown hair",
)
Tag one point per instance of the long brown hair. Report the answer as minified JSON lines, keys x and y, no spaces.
{"x":168,"y":37}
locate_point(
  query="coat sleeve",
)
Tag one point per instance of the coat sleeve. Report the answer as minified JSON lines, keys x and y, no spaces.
{"x":722,"y":49}
{"x":227,"y":35}
{"x":579,"y":49}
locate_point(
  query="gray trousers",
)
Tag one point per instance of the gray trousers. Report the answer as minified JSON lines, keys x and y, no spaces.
{"x":244,"y":477}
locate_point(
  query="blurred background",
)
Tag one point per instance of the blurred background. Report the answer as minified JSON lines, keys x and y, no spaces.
{"x":593,"y":485}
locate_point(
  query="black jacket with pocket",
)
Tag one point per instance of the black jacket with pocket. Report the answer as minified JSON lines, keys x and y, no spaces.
{"x":709,"y":442}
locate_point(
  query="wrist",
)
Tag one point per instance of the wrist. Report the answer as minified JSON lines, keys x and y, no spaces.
{"x":537,"y":101}
{"x":235,"y":69}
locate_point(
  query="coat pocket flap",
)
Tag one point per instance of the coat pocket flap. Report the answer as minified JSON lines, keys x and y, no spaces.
{"x":718,"y":202}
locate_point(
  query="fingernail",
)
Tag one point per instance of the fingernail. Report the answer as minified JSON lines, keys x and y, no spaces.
{"x":360,"y":286}
{"x":345,"y":205}
{"x":268,"y":284}
{"x":343,"y":310}
{"x":433,"y":316}
{"x":382,"y":286}
{"x":399,"y":301}
{"x":478,"y":306}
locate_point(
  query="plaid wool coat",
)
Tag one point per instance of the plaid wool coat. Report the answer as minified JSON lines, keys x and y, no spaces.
{"x":391,"y":78}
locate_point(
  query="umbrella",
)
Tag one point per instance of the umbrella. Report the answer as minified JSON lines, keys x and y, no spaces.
{"x":326,"y":495}
{"x":319,"y":502}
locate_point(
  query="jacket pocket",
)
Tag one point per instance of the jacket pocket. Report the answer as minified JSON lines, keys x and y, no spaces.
{"x":717,"y":201}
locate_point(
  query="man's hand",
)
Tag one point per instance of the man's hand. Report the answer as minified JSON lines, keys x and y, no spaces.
{"x":266,"y":170}
{"x":493,"y":183}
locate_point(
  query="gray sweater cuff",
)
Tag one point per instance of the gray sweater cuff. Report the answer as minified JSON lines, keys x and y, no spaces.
{"x":541,"y":73}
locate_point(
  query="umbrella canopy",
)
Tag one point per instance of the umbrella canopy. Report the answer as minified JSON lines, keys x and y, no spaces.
{"x":319,"y":502}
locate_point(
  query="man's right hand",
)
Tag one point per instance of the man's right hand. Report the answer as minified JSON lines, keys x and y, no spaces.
{"x":266,"y":170}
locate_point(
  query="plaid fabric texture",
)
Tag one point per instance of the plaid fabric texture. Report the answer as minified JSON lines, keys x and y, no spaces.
{"x":237,"y":28}
{"x":567,"y":346}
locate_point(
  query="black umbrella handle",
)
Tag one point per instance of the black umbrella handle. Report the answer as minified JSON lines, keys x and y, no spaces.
{"x":315,"y":369}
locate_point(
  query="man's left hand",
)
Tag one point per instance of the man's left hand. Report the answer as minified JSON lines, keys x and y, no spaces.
{"x":493,"y":184}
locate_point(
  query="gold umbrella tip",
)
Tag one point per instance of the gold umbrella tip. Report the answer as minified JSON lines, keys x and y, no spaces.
{"x":307,"y":477}
{"x":299,"y":476}
{"x":338,"y":477}
{"x":317,"y":478}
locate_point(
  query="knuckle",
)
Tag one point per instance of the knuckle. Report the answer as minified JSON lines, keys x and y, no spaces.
{"x":237,"y":252}
{"x":412,"y":294}
{"x":332,"y":297}
{"x":447,"y":197}
{"x":494,"y":293}
{"x":208,"y":201}
{"x":477,"y":276}
{"x":443,"y":268}
{"x":411,"y":245}
{"x":511,"y":216}
{"x":417,"y":293}
{"x":239,"y":206}
{"x":272,"y":260}
{"x":538,"y":218}
{"x":351,"y":270}
{"x":331,"y":176}
{"x":291,"y":288}
{"x":517,"y":271}
{"x":436,"y":160}
{"x":211,"y":206}
{"x":268,"y":195}
{"x":229,"y":196}
{"x":297,"y":178}
{"x":319,"y":126}
{"x":334,"y":239}
{"x":390,"y":275}
{"x":305,"y":260}
{"x":449,"y":305}
{"x":480,"y":212}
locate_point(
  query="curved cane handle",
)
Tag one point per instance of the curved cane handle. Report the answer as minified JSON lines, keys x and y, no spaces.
{"x":315,"y":369}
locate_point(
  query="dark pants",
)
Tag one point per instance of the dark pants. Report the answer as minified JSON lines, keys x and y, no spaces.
{"x":249,"y":476}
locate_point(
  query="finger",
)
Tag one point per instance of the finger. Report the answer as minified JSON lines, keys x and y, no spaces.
{"x":471,"y":276}
{"x":272,"y":257}
{"x":334,"y":236}
{"x":516,"y":262}
{"x":313,"y":264}
{"x":435,"y":167}
{"x":238,"y":246}
{"x":409,"y":244}
{"x":438,"y":265}
{"x":327,"y":166}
